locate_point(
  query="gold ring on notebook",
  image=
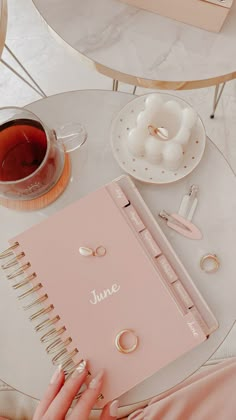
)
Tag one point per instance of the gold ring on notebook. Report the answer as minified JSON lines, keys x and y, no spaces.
{"x":210,"y":263}
{"x":100,"y":251}
{"x":120,"y":347}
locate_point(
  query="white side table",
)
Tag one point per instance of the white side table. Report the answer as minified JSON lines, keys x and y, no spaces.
{"x":23,"y":362}
{"x":144,"y":49}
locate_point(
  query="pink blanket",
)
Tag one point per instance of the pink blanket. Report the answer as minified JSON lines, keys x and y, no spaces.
{"x":206,"y":395}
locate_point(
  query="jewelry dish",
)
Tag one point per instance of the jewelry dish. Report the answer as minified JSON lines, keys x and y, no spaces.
{"x":138,"y":165}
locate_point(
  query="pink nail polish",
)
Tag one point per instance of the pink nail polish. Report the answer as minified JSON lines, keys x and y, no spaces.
{"x":95,"y":383}
{"x":114,"y":408}
{"x":56,"y":375}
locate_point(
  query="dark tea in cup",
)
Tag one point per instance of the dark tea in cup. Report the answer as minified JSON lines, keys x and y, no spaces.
{"x":31,"y":158}
{"x":23,"y":146}
{"x":33,"y":155}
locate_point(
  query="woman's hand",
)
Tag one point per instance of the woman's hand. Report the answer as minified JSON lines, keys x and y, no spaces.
{"x":60,"y":394}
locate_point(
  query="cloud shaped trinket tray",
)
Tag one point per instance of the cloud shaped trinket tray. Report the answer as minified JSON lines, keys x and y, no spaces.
{"x":158,"y":138}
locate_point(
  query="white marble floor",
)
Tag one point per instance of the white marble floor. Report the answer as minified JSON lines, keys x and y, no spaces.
{"x":58,"y":69}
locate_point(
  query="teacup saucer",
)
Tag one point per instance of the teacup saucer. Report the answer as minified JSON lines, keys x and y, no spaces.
{"x":45,"y":199}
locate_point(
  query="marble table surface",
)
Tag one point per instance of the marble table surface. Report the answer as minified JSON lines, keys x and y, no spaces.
{"x":3,"y":24}
{"x":95,"y":110}
{"x":142,"y":48}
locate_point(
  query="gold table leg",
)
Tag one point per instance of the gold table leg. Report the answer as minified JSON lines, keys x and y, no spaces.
{"x":115,"y":85}
{"x":218,"y":93}
{"x":33,"y":84}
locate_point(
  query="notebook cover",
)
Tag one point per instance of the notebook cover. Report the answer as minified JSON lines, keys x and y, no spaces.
{"x":96,"y":297}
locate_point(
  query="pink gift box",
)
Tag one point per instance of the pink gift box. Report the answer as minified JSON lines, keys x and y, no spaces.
{"x":205,"y":14}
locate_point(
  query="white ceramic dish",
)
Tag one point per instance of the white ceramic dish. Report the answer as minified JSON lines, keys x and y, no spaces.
{"x":140,"y":168}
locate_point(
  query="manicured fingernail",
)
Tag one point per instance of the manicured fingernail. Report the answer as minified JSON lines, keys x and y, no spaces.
{"x":80,"y":369}
{"x":96,"y":382}
{"x":114,"y":408}
{"x":56,"y":375}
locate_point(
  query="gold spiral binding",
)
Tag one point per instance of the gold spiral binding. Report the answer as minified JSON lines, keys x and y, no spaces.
{"x":13,"y":261}
{"x":71,"y":369}
{"x":58,"y":345}
{"x":53,"y":346}
{"x":66,"y":365}
{"x":66,"y":357}
{"x":32,"y":290}
{"x":41,"y":312}
{"x":69,"y":359}
{"x":19,"y":271}
{"x":50,"y":335}
{"x":8,"y":251}
{"x":27,"y":280}
{"x":61,"y":351}
{"x":79,"y":395}
{"x":59,"y":356}
{"x":47,"y":323}
{"x":36,"y":302}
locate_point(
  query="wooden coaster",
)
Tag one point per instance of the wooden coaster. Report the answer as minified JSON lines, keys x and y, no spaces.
{"x":43,"y":200}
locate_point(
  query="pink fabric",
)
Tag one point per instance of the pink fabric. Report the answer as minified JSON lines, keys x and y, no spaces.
{"x":207,"y":395}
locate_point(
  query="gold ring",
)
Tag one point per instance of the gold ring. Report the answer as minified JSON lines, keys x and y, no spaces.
{"x":100,"y":251}
{"x":159,"y":132}
{"x":212,"y":268}
{"x":119,"y":346}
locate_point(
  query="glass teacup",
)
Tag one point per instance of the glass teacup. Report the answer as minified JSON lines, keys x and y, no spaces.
{"x":32,"y":155}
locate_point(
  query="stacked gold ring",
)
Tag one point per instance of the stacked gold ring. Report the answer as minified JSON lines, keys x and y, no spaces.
{"x":214,"y":259}
{"x":119,"y":346}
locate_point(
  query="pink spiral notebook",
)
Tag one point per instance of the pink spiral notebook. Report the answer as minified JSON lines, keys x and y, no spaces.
{"x":78,"y":305}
